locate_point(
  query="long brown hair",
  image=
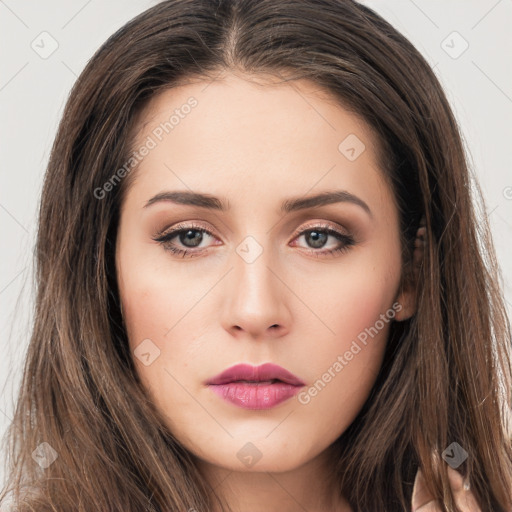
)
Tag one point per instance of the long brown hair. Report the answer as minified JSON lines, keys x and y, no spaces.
{"x":446,"y":375}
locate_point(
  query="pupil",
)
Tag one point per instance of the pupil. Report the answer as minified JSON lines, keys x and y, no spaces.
{"x":318,"y":238}
{"x":192,"y":235}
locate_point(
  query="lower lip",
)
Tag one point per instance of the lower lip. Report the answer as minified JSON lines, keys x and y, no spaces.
{"x":254,"y":395}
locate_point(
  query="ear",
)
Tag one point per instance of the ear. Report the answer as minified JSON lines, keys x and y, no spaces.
{"x":407,"y":294}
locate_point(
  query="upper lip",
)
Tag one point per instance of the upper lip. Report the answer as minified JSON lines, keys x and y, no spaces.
{"x":267,"y":371}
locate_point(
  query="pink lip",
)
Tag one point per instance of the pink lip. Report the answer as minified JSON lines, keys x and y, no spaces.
{"x":268,"y":385}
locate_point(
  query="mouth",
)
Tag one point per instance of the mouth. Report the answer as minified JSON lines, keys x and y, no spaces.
{"x":255,"y":387}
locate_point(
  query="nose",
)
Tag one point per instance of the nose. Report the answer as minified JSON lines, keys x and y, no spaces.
{"x":256,"y":299}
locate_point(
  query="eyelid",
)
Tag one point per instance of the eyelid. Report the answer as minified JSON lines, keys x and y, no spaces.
{"x":321,"y":224}
{"x":299,"y":231}
{"x":184,"y":225}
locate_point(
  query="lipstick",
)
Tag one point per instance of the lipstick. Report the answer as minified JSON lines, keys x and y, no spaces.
{"x":255,"y":387}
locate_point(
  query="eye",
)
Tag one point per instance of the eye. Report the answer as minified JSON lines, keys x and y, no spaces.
{"x":188,"y":239}
{"x":317,"y":237}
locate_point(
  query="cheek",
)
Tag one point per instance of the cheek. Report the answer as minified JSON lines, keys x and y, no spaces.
{"x":352,"y":298}
{"x":156,"y":307}
{"x":359,"y":308}
{"x":154,"y":298}
{"x":160,"y":343}
{"x":152,"y":305}
{"x":357,"y":302}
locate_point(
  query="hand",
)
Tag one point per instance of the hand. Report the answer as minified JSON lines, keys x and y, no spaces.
{"x":423,"y":501}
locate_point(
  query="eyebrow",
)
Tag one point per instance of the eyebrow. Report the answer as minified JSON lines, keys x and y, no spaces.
{"x":290,"y":205}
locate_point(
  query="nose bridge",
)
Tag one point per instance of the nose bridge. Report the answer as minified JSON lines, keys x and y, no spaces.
{"x":256,"y":300}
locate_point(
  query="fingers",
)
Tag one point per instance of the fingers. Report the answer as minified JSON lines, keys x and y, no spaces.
{"x":464,"y":498}
{"x":431,"y":506}
{"x":423,"y":501}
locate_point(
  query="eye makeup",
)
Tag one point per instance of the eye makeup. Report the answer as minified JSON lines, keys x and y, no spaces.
{"x":194,"y":233}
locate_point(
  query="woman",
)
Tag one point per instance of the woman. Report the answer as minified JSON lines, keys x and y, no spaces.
{"x":260,"y":284}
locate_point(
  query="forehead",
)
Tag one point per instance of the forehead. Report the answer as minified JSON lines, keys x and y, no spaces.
{"x":249,"y":102}
{"x":258,"y":133}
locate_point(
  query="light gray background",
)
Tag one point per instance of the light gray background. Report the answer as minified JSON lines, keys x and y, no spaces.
{"x":33,"y":91}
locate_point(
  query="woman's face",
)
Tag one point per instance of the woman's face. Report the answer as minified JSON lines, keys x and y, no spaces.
{"x":310,"y":285}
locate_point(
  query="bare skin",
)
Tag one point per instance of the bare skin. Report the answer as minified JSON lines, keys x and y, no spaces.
{"x":254,"y":146}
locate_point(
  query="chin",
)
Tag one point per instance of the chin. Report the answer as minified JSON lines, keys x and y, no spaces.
{"x":257,"y":457}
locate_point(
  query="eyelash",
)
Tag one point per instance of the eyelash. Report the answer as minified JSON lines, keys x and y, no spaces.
{"x":164,"y":238}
